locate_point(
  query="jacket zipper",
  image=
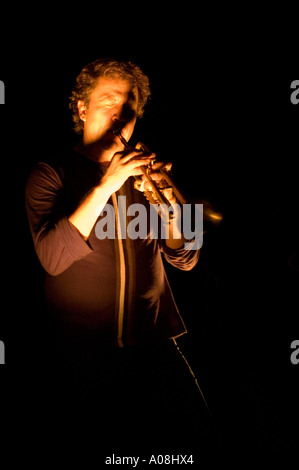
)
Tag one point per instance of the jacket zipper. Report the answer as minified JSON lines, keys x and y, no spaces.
{"x":122,"y":275}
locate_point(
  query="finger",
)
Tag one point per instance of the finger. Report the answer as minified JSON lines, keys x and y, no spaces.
{"x":143,"y":147}
{"x":147,"y":185}
{"x":138,"y":170}
{"x":138,"y":166}
{"x":155,"y":175}
{"x":125,"y":157}
{"x":169,"y":195}
{"x":136,"y":154}
{"x":159,"y":165}
{"x":145,"y":150}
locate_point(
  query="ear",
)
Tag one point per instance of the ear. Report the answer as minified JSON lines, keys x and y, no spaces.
{"x":82,"y":110}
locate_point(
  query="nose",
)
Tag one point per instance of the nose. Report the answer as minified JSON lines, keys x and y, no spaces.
{"x":123,"y":115}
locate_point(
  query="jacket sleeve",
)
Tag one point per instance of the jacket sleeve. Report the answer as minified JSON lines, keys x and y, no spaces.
{"x":181,"y":258}
{"x":57,"y":242}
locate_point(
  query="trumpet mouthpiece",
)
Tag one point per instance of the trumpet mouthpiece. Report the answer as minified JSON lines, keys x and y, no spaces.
{"x":116,"y":131}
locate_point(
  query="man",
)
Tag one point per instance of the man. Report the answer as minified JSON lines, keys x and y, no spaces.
{"x":115,"y":317}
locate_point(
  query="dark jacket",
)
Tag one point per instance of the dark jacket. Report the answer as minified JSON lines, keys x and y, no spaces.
{"x":115,"y":287}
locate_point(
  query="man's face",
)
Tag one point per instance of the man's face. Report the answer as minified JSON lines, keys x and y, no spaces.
{"x":112,"y":100}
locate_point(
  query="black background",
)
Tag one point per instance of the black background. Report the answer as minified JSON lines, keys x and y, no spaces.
{"x":220,"y":110}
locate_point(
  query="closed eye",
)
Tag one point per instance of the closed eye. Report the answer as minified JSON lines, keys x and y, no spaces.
{"x":109,"y":102}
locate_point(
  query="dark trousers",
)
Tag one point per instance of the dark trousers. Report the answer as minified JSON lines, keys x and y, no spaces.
{"x":129,"y":400}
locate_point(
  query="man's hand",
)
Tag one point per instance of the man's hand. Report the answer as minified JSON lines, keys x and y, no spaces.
{"x":122,"y":166}
{"x":154,"y":172}
{"x":175,"y":237}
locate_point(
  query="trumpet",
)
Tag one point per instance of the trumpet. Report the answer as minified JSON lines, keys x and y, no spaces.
{"x":155,"y":194}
